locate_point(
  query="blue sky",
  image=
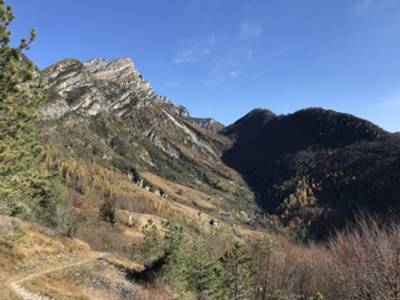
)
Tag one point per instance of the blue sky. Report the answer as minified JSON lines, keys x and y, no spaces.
{"x":222,"y":58}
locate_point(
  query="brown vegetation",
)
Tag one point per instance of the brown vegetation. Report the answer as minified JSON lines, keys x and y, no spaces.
{"x":362,"y":262}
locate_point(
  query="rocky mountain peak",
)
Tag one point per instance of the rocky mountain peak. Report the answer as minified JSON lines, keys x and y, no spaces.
{"x":100,"y":85}
{"x":120,"y":70}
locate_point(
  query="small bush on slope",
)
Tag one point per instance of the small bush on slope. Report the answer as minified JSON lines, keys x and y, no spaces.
{"x":107,"y":212}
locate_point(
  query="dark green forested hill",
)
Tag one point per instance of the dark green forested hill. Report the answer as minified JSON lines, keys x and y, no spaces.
{"x":316,"y":167}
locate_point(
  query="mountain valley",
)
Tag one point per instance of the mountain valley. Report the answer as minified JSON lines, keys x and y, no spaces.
{"x":109,"y":190}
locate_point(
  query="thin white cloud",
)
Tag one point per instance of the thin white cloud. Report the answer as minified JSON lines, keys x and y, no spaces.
{"x":235,"y":74}
{"x":181,"y":60}
{"x":195,"y":52}
{"x":213,"y":82}
{"x":247,"y":54}
{"x":373,"y":6}
{"x":279,"y":52}
{"x":229,"y":67}
{"x":393,"y":102}
{"x":250,"y":30}
{"x":365,"y":6}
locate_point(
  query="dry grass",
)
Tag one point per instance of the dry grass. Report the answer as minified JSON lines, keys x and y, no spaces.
{"x":25,"y":247}
{"x":5,"y":292}
{"x":27,"y":250}
{"x":101,"y":280}
{"x":180,"y":192}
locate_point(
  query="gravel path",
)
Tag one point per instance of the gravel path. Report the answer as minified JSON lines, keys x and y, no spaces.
{"x":22,"y":292}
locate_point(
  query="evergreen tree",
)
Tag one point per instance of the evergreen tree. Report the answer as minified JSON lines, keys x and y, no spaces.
{"x":151,"y":248}
{"x":176,"y":255}
{"x":25,"y":189}
{"x":191,"y":267}
{"x":187,"y":267}
{"x":205,"y":272}
{"x":239,"y":273}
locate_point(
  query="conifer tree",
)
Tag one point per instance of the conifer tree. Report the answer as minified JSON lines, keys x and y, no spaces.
{"x":25,"y":190}
{"x":206,"y":274}
{"x":176,"y":255}
{"x":151,"y":248}
{"x":239,"y":273}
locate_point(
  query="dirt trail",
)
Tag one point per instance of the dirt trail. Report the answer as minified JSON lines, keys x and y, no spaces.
{"x":23,"y":293}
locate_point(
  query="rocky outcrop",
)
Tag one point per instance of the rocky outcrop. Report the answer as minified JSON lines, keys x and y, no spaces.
{"x":117,"y":87}
{"x":118,"y":71}
{"x":100,"y":86}
{"x":208,"y":123}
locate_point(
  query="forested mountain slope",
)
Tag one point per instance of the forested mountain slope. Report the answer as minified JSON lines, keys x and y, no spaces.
{"x":315,"y":168}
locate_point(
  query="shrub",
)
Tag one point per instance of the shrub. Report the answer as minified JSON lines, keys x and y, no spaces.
{"x":277,"y":295}
{"x":364,"y":262}
{"x":107,"y":212}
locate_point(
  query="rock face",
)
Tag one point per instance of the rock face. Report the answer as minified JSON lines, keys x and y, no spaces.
{"x":119,"y":71}
{"x":117,"y":88}
{"x":208,"y":123}
{"x":100,"y":86}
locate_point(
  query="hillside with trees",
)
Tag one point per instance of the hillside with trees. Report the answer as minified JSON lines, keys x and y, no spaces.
{"x":316,"y":169}
{"x":110,"y":191}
